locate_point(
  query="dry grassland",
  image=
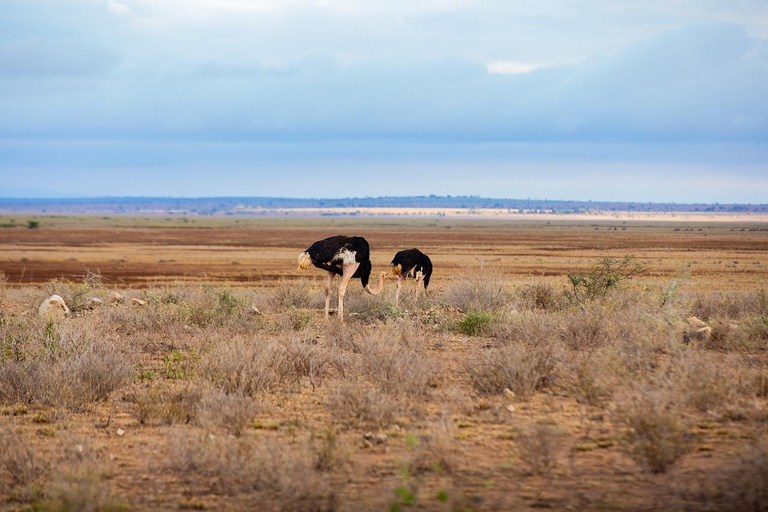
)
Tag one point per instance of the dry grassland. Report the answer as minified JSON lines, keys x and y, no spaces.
{"x":509,"y":387}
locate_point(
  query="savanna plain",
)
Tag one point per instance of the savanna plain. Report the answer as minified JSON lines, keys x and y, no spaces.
{"x":564,"y":364}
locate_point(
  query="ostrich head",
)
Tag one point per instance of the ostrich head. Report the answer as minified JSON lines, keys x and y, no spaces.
{"x":304,"y":260}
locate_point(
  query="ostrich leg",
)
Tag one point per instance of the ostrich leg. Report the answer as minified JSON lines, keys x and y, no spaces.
{"x":349,"y":271}
{"x":328,"y":281}
{"x":419,"y":280}
{"x":399,"y":285}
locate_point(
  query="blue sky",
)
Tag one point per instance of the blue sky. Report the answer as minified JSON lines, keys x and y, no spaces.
{"x":603,"y":100}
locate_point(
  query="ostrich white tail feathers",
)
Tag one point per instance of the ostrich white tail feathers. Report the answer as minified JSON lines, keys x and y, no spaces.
{"x":304,"y":260}
{"x":379,"y":285}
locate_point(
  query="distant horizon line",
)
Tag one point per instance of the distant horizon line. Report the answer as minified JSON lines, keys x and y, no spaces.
{"x":69,"y":199}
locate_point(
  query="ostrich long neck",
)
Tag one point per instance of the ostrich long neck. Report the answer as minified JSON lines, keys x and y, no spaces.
{"x":379,"y":285}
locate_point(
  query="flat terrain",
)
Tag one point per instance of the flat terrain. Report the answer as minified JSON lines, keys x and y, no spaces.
{"x":144,"y":251}
{"x":221,"y":387}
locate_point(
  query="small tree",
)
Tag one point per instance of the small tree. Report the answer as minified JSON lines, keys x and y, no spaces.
{"x":604,"y":277}
{"x":33,"y":224}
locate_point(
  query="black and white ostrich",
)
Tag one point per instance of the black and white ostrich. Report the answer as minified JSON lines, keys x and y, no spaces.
{"x":347,"y":256}
{"x":411,"y":263}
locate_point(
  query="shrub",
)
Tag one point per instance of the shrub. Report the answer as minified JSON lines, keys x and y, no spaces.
{"x":246,"y":367}
{"x":482,"y":290}
{"x":541,"y":296}
{"x":475,"y":323}
{"x":603,"y":278}
{"x":657,"y":437}
{"x":522,"y":368}
{"x":540,"y":447}
{"x":395,"y":368}
{"x":352,"y":403}
{"x":20,"y":460}
{"x":434,"y":451}
{"x":290,"y":294}
{"x":233,"y":413}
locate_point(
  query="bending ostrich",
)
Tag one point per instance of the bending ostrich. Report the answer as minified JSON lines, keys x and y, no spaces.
{"x":411,"y":263}
{"x":346,"y":256}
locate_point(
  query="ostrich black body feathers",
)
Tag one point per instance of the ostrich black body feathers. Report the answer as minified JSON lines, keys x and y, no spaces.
{"x":333,"y":252}
{"x":412,"y":261}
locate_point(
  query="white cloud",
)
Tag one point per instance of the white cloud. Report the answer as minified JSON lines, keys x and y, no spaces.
{"x":119,"y":9}
{"x":512,"y":68}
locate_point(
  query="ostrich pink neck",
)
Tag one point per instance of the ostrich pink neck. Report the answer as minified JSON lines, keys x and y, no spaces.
{"x":379,"y":285}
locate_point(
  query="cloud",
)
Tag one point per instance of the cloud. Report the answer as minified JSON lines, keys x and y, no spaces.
{"x":512,"y":68}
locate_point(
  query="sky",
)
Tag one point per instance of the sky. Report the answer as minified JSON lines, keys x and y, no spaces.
{"x":638,"y":100}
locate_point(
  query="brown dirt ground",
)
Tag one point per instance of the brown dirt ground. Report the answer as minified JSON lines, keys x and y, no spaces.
{"x":259,"y":252}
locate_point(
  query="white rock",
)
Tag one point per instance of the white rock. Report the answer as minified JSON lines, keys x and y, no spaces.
{"x":93,"y":303}
{"x":138,"y":302}
{"x":54,"y":308}
{"x":120,"y":432}
{"x":115,"y":297}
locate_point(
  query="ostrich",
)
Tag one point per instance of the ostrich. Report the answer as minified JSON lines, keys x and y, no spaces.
{"x":411,"y":263}
{"x":347,"y":256}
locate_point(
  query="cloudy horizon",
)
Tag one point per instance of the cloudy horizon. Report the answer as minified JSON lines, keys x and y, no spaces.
{"x":637,"y":101}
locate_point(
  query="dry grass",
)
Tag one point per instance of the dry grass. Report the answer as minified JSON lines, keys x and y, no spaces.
{"x":657,"y":437}
{"x":246,"y":410}
{"x":522,"y":368}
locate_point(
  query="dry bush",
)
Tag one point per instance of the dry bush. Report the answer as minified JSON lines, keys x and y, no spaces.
{"x":247,"y":366}
{"x":481,"y":290}
{"x":702,"y":380}
{"x":330,"y":452}
{"x":543,"y":296}
{"x":527,"y":327}
{"x":657,"y":436}
{"x":395,"y":367}
{"x":521,"y":367}
{"x":539,"y":448}
{"x":168,"y":406}
{"x":284,"y":477}
{"x":596,"y":375}
{"x":83,"y":488}
{"x":435,"y":451}
{"x":251,"y":367}
{"x":727,"y":305}
{"x":233,"y":413}
{"x":291,"y":294}
{"x":362,"y":306}
{"x":214,"y":307}
{"x":743,"y":487}
{"x":68,"y":365}
{"x":22,"y":463}
{"x":294,"y":319}
{"x":353,"y":403}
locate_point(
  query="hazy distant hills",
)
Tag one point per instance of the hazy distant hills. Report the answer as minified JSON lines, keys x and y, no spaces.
{"x":267,"y":205}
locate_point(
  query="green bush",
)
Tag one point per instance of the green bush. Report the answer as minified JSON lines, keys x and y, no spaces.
{"x":475,"y":323}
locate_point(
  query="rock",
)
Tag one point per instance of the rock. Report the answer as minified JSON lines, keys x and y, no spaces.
{"x":93,"y":303}
{"x":116,"y":298}
{"x":697,"y":330}
{"x":256,"y":311}
{"x":54,"y":308}
{"x":509,"y":393}
{"x":511,"y":408}
{"x":120,"y":432}
{"x":138,"y":302}
{"x":695,"y":322}
{"x":370,"y":438}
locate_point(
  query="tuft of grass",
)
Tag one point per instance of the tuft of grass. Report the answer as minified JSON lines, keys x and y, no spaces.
{"x":522,"y":368}
{"x":540,"y":448}
{"x":475,"y":323}
{"x":657,"y":438}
